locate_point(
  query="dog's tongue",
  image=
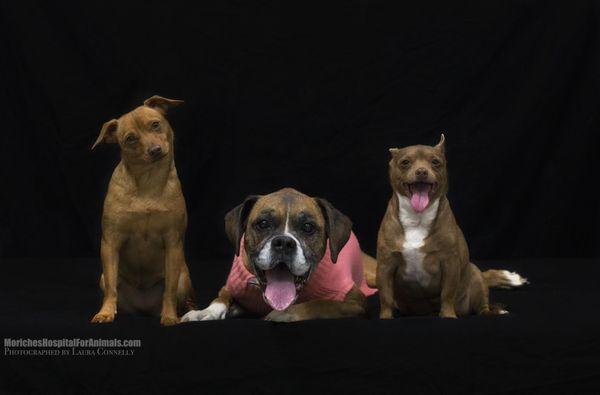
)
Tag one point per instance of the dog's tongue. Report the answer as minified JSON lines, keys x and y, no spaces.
{"x":281,"y":290}
{"x":420,"y":197}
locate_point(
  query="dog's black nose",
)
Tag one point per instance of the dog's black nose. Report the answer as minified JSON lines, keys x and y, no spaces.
{"x":284,"y":244}
{"x":155,"y":151}
{"x":421,"y":172}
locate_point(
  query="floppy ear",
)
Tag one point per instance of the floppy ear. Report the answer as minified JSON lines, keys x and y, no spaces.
{"x":337,"y":226}
{"x":394,"y":151}
{"x":441,"y":146}
{"x":161,"y":104}
{"x":107,"y":133}
{"x":235,"y":221}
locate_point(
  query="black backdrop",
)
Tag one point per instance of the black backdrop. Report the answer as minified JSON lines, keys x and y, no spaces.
{"x":310,"y":97}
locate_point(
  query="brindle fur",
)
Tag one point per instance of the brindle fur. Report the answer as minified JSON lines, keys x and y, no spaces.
{"x":331,"y":224}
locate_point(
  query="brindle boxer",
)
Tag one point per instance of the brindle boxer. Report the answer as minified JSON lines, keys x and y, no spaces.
{"x":144,"y":219}
{"x":284,"y":237}
{"x":423,"y":259}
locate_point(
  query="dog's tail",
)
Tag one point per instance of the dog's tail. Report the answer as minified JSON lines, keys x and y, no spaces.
{"x":503,"y":279}
{"x":494,"y":278}
{"x":370,"y":270}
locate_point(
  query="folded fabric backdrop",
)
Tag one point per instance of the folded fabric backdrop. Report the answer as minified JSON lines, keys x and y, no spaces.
{"x":288,"y":95}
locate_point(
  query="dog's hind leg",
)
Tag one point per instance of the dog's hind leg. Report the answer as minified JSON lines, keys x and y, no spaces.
{"x":186,"y":297}
{"x":370,"y":270}
{"x":479,"y":295}
{"x":497,"y":309}
{"x":479,"y":299}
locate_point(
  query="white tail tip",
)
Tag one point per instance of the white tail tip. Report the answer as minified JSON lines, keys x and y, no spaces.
{"x":514,"y":278}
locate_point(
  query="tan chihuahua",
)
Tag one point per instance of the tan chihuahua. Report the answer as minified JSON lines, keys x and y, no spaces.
{"x":144,"y":220}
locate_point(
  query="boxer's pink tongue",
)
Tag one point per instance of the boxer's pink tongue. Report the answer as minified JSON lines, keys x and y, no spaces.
{"x":420,"y":196}
{"x":281,"y":289}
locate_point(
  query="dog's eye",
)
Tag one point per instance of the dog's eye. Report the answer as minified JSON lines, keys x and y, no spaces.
{"x":308,"y":228}
{"x":155,"y":125}
{"x":435,"y":162}
{"x":405,"y":162}
{"x":130,"y":139}
{"x":263,"y":224}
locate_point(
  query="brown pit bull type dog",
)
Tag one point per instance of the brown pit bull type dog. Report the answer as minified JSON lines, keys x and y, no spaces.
{"x":144,"y":220}
{"x":423,"y":263}
{"x":290,"y":247}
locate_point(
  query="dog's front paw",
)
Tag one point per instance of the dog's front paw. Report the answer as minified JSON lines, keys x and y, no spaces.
{"x":167,"y":320}
{"x":386,"y":313}
{"x":449,"y":314}
{"x":103,"y":317}
{"x":287,"y":315}
{"x":216,"y":311}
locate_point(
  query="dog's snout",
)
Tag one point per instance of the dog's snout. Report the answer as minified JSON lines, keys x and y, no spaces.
{"x":283,"y":244}
{"x":421,"y":172}
{"x":155,"y":150}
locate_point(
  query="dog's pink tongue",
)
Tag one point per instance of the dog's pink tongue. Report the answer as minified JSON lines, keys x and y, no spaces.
{"x":281,"y":290}
{"x":420,"y":197}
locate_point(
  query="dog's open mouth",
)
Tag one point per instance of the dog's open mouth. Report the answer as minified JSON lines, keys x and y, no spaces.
{"x":280,"y":286}
{"x":420,"y":193}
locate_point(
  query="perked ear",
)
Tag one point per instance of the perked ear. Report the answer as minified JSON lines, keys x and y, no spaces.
{"x":337,"y":226}
{"x":235,"y":221}
{"x":107,"y":133}
{"x":161,"y":104}
{"x":441,"y":146}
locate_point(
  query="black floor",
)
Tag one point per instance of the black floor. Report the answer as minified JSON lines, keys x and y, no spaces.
{"x":550,"y":343}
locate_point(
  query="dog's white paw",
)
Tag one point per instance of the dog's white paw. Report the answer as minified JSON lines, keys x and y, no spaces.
{"x":216,"y":311}
{"x":514,"y":279}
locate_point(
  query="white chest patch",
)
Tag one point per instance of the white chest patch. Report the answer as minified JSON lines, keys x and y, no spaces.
{"x":416,"y":228}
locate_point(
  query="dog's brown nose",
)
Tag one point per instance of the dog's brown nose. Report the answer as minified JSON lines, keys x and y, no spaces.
{"x":421,"y":172}
{"x":284,"y":244}
{"x":155,"y":151}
